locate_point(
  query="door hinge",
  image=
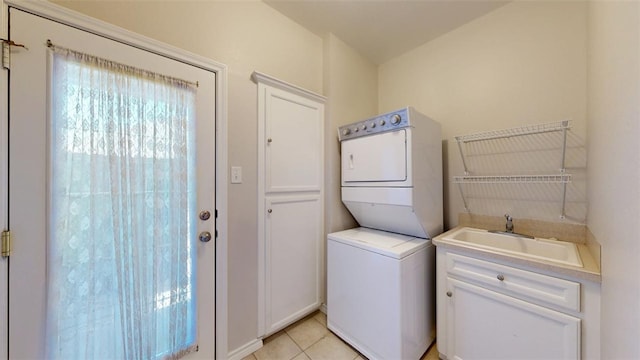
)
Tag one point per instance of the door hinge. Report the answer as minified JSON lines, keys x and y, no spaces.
{"x":6,"y":55}
{"x":6,"y":243}
{"x":6,"y":52}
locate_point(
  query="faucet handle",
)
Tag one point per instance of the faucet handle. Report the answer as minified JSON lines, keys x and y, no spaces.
{"x":508,"y":217}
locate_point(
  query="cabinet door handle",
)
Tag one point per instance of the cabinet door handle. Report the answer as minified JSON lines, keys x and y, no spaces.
{"x":449,"y":293}
{"x":270,"y":211}
{"x":500,"y":277}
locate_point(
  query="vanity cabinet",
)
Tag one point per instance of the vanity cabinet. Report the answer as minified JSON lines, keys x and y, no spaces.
{"x":488,"y":310}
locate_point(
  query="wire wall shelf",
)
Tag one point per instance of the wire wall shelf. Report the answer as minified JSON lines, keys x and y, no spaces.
{"x":519,"y":131}
{"x":513,"y":179}
{"x":561,"y":178}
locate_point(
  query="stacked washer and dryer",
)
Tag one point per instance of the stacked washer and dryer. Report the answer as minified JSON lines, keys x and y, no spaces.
{"x":381,"y":276}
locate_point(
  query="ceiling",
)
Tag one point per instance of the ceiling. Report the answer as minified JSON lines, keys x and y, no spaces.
{"x":383,"y":29}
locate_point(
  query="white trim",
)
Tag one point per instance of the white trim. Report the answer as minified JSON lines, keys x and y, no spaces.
{"x":269,"y":80}
{"x":262,"y":111}
{"x":245,"y":350}
{"x":222,"y":221}
{"x":323,"y":308}
{"x":65,"y":16}
{"x":4,"y":192}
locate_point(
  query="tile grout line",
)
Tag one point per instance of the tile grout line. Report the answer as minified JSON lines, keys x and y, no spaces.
{"x":327,"y":334}
{"x":303,"y":351}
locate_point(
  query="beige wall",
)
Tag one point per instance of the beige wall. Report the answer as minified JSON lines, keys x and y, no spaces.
{"x":614,"y":169}
{"x":521,"y":64}
{"x":246,"y":36}
{"x":351,"y":85}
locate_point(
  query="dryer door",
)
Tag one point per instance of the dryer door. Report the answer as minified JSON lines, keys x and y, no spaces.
{"x":375,"y":158}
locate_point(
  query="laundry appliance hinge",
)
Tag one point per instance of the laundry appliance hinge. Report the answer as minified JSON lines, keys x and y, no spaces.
{"x":6,"y":243}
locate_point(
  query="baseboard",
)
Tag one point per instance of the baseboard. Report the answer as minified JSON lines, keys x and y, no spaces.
{"x":245,"y":350}
{"x":323,"y":308}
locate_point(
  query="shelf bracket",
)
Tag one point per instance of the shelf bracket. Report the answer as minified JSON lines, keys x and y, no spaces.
{"x":464,"y":199}
{"x":565,"y":125}
{"x":464,"y":163}
{"x":564,"y":201}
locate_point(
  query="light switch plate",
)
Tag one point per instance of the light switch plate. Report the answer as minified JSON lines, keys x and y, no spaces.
{"x":236,"y":175}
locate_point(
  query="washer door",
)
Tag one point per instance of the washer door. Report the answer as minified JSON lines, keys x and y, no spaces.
{"x":375,"y":158}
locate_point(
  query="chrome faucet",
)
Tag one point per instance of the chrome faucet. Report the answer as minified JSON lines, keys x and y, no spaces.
{"x":509,"y":229}
{"x":509,"y":225}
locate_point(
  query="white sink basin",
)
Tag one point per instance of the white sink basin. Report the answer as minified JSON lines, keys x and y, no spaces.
{"x":561,"y":252}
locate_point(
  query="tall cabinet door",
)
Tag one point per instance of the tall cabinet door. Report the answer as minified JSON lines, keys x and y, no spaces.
{"x":291,"y":193}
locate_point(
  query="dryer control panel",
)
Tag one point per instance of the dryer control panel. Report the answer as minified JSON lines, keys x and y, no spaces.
{"x":386,"y":122}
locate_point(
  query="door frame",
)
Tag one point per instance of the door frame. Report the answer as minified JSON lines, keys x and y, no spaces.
{"x":80,"y":21}
{"x":4,"y":191}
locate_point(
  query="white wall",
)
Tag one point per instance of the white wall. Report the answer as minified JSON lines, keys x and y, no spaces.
{"x":614,"y":168}
{"x":524,"y":63}
{"x":246,"y":36}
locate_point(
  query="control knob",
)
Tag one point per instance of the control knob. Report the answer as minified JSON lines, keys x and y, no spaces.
{"x":346,"y":132}
{"x":373,"y":125}
{"x":382,"y":122}
{"x":395,"y":119}
{"x":364,"y":127}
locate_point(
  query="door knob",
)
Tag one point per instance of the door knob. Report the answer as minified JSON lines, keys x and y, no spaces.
{"x":205,"y":236}
{"x":449,"y":293}
{"x":204,"y":215}
{"x":270,"y":211}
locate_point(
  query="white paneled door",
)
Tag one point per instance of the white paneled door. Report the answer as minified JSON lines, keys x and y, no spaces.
{"x":291,"y":192}
{"x":110,"y":258}
{"x":293,"y":261}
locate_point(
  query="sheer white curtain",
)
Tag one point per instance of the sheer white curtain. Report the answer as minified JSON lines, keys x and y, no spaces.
{"x":121,"y":246}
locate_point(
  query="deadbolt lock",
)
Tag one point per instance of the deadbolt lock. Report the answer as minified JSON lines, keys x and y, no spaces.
{"x":205,"y":236}
{"x":205,"y":215}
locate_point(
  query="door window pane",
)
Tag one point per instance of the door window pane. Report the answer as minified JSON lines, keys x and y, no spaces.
{"x":121,"y":247}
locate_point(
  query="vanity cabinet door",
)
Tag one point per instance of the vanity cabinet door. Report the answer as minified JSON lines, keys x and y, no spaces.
{"x":483,"y":324}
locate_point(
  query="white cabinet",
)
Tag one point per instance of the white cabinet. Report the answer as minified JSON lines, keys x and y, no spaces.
{"x":492,"y":311}
{"x":290,"y":194}
{"x":485,"y":324}
{"x":292,"y":264}
{"x":293,"y":151}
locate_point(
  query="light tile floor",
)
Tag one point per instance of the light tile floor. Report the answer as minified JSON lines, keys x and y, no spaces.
{"x":309,"y":339}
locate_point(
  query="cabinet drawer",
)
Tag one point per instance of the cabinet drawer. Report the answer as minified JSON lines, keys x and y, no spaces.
{"x":519,"y":283}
